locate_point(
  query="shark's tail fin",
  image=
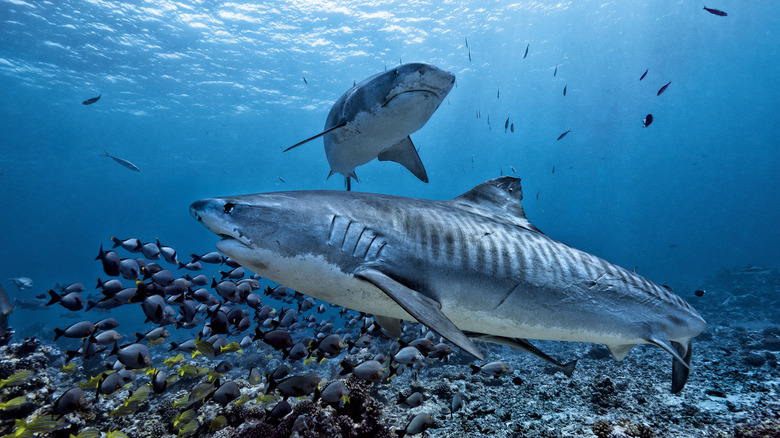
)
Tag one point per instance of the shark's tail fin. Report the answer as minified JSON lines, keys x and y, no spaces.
{"x":680,"y":370}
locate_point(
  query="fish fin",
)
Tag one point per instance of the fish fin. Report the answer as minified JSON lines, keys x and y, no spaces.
{"x":422,"y":308}
{"x":680,"y":370}
{"x":663,"y":343}
{"x":406,"y":155}
{"x":620,"y":351}
{"x":340,"y":125}
{"x":392,"y":325}
{"x":497,"y":198}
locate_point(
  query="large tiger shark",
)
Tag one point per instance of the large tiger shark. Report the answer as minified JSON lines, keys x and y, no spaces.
{"x":473,"y":263}
{"x":375,"y":117}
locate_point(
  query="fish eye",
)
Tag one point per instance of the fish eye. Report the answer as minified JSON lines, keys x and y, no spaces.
{"x":395,"y":72}
{"x":229,"y":207}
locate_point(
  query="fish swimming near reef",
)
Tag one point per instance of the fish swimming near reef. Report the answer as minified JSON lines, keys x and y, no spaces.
{"x":374,"y":119}
{"x":414,"y":259}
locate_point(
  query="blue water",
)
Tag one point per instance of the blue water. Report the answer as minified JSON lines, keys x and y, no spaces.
{"x":203,"y":96}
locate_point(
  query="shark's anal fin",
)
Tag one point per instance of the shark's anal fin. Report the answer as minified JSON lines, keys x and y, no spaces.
{"x":340,"y":125}
{"x":422,"y":308}
{"x":392,"y":325}
{"x":619,"y":351}
{"x":406,"y":155}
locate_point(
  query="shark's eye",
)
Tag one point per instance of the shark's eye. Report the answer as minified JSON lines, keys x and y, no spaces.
{"x":229,"y":207}
{"x":395,"y":72}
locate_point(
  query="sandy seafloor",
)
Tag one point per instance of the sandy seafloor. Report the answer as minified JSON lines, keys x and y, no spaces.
{"x":732,"y":390}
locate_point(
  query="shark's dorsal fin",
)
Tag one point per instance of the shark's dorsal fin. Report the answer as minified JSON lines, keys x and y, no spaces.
{"x":498,"y":198}
{"x":331,"y":129}
{"x":406,"y":155}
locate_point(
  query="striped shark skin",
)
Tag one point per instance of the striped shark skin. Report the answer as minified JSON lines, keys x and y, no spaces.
{"x":470,"y":264}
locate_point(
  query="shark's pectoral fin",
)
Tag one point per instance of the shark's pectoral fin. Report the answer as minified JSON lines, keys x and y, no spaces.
{"x":422,"y":308}
{"x":331,"y":129}
{"x":619,"y":352}
{"x":406,"y":155}
{"x":391,"y":325}
{"x":680,"y":370}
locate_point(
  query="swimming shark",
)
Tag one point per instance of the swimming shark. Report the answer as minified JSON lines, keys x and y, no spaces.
{"x":374,"y":119}
{"x":473,"y":263}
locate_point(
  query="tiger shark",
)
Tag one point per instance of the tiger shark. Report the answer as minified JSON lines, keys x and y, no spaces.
{"x":374,"y":119}
{"x":473,"y":263}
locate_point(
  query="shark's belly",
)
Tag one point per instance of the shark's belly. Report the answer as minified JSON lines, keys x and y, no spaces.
{"x":368,"y":134}
{"x":318,"y":278}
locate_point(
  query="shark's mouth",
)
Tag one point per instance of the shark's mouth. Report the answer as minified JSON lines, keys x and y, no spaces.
{"x":410,"y":91}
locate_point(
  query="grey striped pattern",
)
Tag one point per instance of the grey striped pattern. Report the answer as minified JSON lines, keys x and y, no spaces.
{"x":354,"y":238}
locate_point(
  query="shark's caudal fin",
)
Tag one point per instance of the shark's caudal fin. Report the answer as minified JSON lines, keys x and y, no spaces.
{"x":498,"y":198}
{"x":422,"y":308}
{"x":680,"y":370}
{"x":340,"y":125}
{"x":405,"y":154}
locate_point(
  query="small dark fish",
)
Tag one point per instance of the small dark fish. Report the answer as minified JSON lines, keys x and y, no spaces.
{"x":699,"y":293}
{"x":537,"y":195}
{"x":467,"y":42}
{"x":512,"y":127}
{"x":457,"y":403}
{"x":663,"y":89}
{"x":95,"y":99}
{"x":70,"y":401}
{"x":305,"y":81}
{"x":469,"y":55}
{"x":506,"y":124}
{"x":280,"y":178}
{"x":498,"y":93}
{"x":526,"y":51}
{"x":647,"y":120}
{"x":563,"y":135}
{"x":159,"y":381}
{"x":226,"y":393}
{"x":122,"y":161}
{"x":553,"y":169}
{"x":710,"y":10}
{"x":555,"y":73}
{"x":413,"y":400}
{"x":564,"y":89}
{"x":419,"y":424}
{"x":644,"y":74}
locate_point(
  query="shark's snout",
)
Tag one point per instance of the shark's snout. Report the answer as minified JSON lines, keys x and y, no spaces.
{"x":196,"y":208}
